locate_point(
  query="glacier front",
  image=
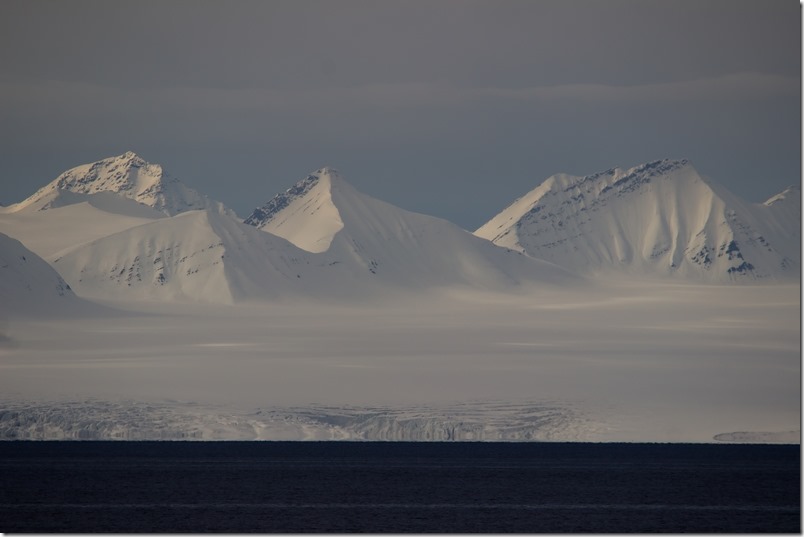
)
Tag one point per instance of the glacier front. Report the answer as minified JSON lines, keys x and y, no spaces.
{"x":622,"y":362}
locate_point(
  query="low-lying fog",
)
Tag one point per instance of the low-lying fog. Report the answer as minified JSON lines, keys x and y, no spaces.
{"x":626,"y":362}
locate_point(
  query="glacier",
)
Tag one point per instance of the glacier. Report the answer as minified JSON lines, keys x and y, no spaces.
{"x":628,"y":362}
{"x":133,"y":308}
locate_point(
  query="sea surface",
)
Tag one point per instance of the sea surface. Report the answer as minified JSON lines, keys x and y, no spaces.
{"x":380,"y":487}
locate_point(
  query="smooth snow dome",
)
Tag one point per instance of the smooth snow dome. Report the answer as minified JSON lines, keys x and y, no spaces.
{"x":59,"y":229}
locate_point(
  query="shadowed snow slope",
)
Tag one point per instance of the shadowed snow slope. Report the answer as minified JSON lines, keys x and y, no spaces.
{"x":28,"y":284}
{"x":660,"y":219}
{"x":127,"y":175}
{"x":324,"y":213}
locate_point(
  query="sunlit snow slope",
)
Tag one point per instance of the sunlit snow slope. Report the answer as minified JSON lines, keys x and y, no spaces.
{"x":127,"y":175}
{"x":52,"y":232}
{"x":305,"y":214}
{"x":324,"y":213}
{"x":204,"y":256}
{"x":660,"y":219}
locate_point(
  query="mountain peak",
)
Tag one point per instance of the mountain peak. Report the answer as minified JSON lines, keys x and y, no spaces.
{"x":309,"y":196}
{"x":327,"y":171}
{"x":133,"y":159}
{"x":387,"y":244}
{"x":660,"y":219}
{"x":129,"y":155}
{"x":264,"y":214}
{"x":124,"y":172}
{"x":127,"y":175}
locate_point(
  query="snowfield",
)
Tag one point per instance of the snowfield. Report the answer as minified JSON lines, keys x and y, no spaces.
{"x":646,"y":304}
{"x":617,"y":362}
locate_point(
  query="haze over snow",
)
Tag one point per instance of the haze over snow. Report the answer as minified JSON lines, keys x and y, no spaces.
{"x":357,"y":319}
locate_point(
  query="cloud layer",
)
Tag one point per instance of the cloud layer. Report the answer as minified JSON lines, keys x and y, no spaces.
{"x":477,"y":99}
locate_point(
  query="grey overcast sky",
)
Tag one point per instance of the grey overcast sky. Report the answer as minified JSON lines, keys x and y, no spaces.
{"x":447,"y":107}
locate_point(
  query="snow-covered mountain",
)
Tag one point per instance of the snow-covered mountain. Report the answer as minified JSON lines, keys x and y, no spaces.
{"x":126,"y":175}
{"x":27,"y":283}
{"x":323,"y":213}
{"x":51,"y":232}
{"x":660,"y":219}
{"x":305,"y":214}
{"x":121,"y":229}
{"x":204,"y":256}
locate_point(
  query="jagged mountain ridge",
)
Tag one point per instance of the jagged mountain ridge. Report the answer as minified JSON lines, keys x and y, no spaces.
{"x":324,"y":213}
{"x":323,"y":238}
{"x":304,"y":214}
{"x":109,"y":247}
{"x":127,"y":175}
{"x":660,"y":219}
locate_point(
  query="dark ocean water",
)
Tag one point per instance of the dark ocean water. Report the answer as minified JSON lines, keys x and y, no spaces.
{"x":346,"y":487}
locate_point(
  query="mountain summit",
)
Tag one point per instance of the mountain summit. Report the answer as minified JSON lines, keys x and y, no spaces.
{"x":381,"y":242}
{"x":660,"y":219}
{"x":127,"y":175}
{"x":304,"y":214}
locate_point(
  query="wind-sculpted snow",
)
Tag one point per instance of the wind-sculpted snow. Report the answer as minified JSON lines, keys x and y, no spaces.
{"x":127,"y":420}
{"x":660,"y":219}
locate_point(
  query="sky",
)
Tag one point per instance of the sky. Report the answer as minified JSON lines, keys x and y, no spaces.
{"x":445,"y":107}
